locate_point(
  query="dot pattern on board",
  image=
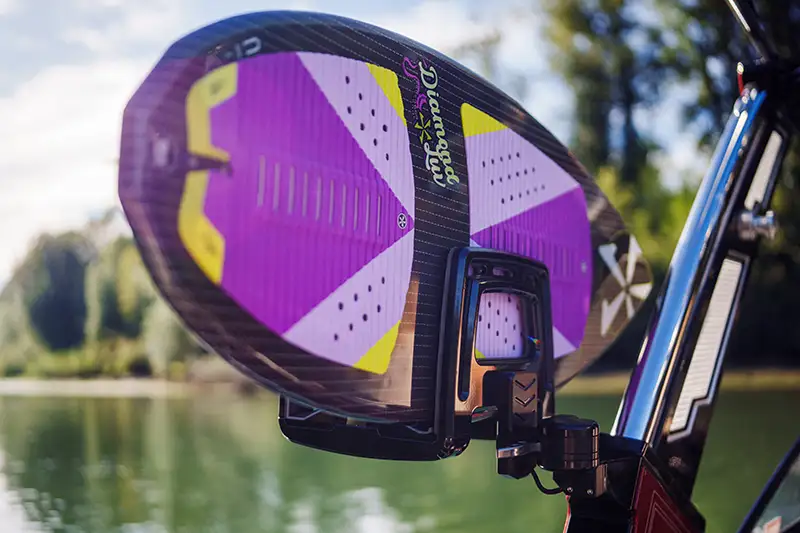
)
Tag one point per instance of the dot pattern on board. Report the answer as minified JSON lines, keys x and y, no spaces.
{"x":509,"y":168}
{"x":319,"y":191}
{"x":358,"y":323}
{"x":523,"y":203}
{"x":500,"y":332}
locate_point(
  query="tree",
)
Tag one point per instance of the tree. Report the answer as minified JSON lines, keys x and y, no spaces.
{"x":702,"y":43}
{"x":706,"y":45}
{"x":609,"y":54}
{"x":118,"y":292}
{"x":166,"y":339}
{"x":52,"y":281}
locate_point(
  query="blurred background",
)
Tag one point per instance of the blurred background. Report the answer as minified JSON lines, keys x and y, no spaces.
{"x":112,"y":419}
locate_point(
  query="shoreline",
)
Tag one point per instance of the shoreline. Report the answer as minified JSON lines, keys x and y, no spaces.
{"x":597,"y":385}
{"x":763,"y":380}
{"x":94,"y":388}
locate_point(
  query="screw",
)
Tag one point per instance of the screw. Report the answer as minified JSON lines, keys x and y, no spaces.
{"x":751,"y":226}
{"x":589,"y":492}
{"x":569,"y":490}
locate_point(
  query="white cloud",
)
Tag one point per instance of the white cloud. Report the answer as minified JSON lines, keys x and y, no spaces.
{"x":94,"y":4}
{"x":60,"y":131}
{"x":145,"y":22}
{"x":146,"y":25}
{"x":7,"y":6}
{"x":423,"y":23}
{"x":60,"y":136}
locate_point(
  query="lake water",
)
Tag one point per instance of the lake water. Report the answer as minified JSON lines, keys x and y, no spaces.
{"x":220,"y":464}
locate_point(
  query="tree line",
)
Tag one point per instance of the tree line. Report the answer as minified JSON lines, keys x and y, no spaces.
{"x":76,"y":308}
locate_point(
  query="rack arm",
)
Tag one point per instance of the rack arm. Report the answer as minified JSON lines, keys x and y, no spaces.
{"x":666,"y":347}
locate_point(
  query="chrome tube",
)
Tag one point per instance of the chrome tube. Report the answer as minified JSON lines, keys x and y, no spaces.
{"x":641,"y":412}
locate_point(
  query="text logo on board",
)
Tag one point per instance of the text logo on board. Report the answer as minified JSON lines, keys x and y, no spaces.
{"x":429,"y":126}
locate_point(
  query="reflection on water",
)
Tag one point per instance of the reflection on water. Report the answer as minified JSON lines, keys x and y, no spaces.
{"x":220,"y":464}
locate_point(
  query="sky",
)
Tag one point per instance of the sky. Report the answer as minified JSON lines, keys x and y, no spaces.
{"x":68,"y":68}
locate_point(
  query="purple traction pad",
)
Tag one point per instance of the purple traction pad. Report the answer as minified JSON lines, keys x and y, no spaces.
{"x":522,"y":202}
{"x":310,"y":224}
{"x":322,"y":175}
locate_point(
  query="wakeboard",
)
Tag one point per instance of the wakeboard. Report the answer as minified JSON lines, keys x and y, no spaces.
{"x":295,"y":181}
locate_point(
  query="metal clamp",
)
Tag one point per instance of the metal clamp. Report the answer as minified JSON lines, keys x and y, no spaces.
{"x":751,"y":226}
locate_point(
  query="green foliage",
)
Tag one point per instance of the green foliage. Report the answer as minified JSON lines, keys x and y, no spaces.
{"x":609,"y":55}
{"x":125,"y":355}
{"x":579,"y":55}
{"x":67,"y":364}
{"x":702,"y":43}
{"x":653,"y":213}
{"x":73,"y":310}
{"x":17,"y":341}
{"x":52,"y":282}
{"x":118,"y":292}
{"x":706,"y":45}
{"x":100,"y":300}
{"x":617,"y":62}
{"x":13,"y":369}
{"x":134,"y":288}
{"x":165,"y":339}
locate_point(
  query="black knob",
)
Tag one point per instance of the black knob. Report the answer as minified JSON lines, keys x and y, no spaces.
{"x":569,"y":443}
